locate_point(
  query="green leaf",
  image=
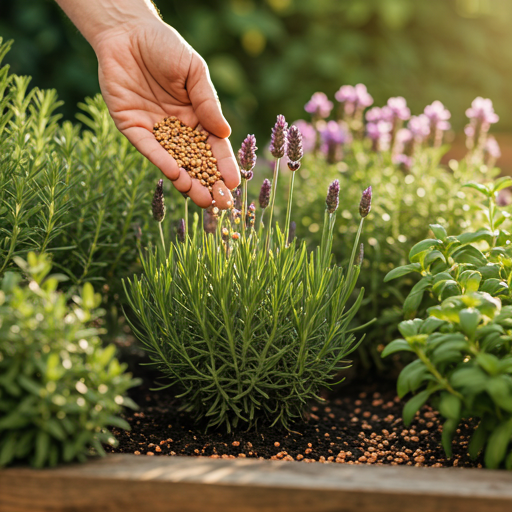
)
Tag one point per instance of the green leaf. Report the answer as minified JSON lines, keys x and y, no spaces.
{"x":415,"y":404}
{"x":413,"y":300}
{"x":411,"y":377}
{"x":497,"y":445}
{"x":409,"y":328}
{"x":488,"y":362}
{"x":495,"y":287}
{"x":478,"y":440}
{"x":439,"y":231}
{"x":501,"y":183}
{"x":471,"y":255}
{"x":478,"y":186}
{"x":500,"y":390}
{"x":396,"y":346}
{"x":423,"y":246}
{"x":402,"y":271}
{"x":449,"y":428}
{"x":469,"y":320}
{"x":450,"y":406}
{"x":431,"y":324}
{"x":478,"y":236}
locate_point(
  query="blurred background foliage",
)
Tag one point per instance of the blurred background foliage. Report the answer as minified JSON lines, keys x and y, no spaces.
{"x":269,"y":56}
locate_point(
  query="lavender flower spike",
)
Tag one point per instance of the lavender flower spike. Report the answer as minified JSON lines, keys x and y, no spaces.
{"x":265,"y":194}
{"x":180,"y":232}
{"x":278,"y":139}
{"x":294,"y":149}
{"x":333,"y":196}
{"x":366,"y":202}
{"x":158,"y":204}
{"x":247,"y":156}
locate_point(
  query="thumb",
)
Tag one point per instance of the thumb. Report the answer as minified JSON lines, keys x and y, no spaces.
{"x":204,"y":99}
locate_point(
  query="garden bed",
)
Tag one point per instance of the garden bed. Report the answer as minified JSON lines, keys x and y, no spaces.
{"x":360,"y":426}
{"x":129,"y":483}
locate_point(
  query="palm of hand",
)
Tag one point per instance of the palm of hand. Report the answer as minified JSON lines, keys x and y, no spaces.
{"x":149,"y":73}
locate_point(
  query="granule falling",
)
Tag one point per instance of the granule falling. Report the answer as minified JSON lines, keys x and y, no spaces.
{"x":189,"y":148}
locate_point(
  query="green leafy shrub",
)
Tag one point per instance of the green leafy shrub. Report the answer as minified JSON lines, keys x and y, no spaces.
{"x":80,"y":196}
{"x":249,"y":326}
{"x":59,"y":388}
{"x":464,"y":347}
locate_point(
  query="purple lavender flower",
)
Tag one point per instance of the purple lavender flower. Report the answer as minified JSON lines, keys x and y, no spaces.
{"x":397,"y":109}
{"x":366,"y":202}
{"x":319,"y":105}
{"x":346,"y":93}
{"x":333,"y":196}
{"x":180,"y":231}
{"x":482,"y":110}
{"x":334,"y":135}
{"x":278,"y":138}
{"x":419,"y":126}
{"x":294,"y":149}
{"x":264,"y":198}
{"x":438,"y":116}
{"x":380,"y":135}
{"x":308,"y":135}
{"x":247,"y":156}
{"x":353,"y":98}
{"x":492,"y":148}
{"x":158,"y":204}
{"x":374,"y":115}
{"x":363,"y":97}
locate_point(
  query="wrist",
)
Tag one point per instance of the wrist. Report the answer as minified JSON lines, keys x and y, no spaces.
{"x":98,"y":20}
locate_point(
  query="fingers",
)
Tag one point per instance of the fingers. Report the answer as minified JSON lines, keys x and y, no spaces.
{"x":199,"y":194}
{"x":184,"y":182}
{"x":204,"y":99}
{"x":226,"y":162}
{"x":145,"y":142}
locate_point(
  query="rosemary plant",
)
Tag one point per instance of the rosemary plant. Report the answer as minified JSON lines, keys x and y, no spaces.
{"x":243,"y":333}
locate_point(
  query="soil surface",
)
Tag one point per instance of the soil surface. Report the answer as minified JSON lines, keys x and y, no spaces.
{"x":361,"y":424}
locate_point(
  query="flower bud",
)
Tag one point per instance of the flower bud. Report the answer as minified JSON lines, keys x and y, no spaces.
{"x":180,"y":232}
{"x":265,"y":193}
{"x":294,"y":149}
{"x":247,"y":157}
{"x":158,"y":204}
{"x":278,"y":138}
{"x":333,"y":193}
{"x":366,"y":202}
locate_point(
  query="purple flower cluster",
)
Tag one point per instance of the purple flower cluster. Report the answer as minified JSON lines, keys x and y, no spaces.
{"x":492,"y":148}
{"x":247,"y":156}
{"x":419,"y":126}
{"x":333,"y":196}
{"x":379,"y":132}
{"x":319,"y":105}
{"x":264,"y":198}
{"x":278,"y":138}
{"x":334,"y":135}
{"x":396,"y":109}
{"x":438,"y":115}
{"x":482,"y":110}
{"x":294,"y":149}
{"x":353,"y":98}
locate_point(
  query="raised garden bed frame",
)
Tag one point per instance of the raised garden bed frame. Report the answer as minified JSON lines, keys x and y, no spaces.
{"x":130,"y":483}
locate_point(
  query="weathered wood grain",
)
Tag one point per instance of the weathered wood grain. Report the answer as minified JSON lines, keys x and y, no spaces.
{"x":129,"y":483}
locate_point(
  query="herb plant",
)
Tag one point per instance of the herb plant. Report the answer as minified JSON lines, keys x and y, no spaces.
{"x":248,"y":325}
{"x":401,"y":156}
{"x":464,"y":346}
{"x":60,"y":389}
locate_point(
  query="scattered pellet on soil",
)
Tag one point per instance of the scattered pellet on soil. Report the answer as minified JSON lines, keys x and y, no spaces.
{"x":381,"y":438}
{"x":189,"y":148}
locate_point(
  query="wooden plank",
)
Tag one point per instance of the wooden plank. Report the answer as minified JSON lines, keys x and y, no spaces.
{"x":130,"y":483}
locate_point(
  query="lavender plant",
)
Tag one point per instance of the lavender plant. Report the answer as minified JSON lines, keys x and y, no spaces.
{"x":60,"y":389}
{"x":400,"y":155}
{"x":247,"y":326}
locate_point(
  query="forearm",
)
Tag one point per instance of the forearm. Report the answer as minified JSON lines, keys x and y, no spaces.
{"x":97,"y":18}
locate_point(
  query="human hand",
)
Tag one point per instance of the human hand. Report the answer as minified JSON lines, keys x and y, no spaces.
{"x":147,"y":72}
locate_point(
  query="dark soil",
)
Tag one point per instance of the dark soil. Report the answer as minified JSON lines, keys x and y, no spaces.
{"x":361,"y":424}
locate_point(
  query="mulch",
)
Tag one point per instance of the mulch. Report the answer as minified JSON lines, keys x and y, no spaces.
{"x":358,"y":424}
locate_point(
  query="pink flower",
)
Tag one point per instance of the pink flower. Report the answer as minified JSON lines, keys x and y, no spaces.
{"x":319,"y":105}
